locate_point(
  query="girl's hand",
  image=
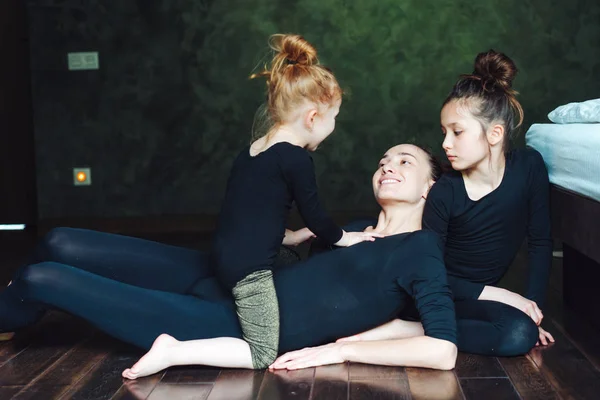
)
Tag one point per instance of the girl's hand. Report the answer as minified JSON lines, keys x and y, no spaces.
{"x":529,"y":307}
{"x":351,"y":238}
{"x":544,"y":337}
{"x":310,"y":357}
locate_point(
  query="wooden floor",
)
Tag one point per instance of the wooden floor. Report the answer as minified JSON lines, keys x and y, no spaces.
{"x":65,"y":358}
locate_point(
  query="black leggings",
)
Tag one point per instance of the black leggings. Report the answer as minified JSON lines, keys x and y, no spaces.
{"x":134,"y":290}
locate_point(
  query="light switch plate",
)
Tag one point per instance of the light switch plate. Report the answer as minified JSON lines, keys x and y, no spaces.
{"x":83,"y":61}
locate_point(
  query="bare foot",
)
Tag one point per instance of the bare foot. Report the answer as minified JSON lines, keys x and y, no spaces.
{"x":156,"y":359}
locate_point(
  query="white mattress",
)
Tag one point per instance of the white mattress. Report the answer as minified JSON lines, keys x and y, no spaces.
{"x":571,"y":153}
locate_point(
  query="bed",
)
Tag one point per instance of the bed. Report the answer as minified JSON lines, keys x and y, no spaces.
{"x":572,"y":156}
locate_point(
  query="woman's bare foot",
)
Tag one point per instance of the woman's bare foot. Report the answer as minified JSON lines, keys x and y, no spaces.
{"x":156,"y":359}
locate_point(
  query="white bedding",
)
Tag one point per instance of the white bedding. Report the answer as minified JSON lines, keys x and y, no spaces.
{"x":571,"y":153}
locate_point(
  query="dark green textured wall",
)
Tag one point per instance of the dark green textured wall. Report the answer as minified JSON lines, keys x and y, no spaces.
{"x":161,"y":120}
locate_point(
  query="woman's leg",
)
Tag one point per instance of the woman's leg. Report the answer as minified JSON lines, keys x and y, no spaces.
{"x":130,"y":260}
{"x":133,"y":314}
{"x":126,"y":259}
{"x":137,"y":316}
{"x":491,"y":328}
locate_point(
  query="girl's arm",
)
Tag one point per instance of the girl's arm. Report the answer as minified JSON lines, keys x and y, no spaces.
{"x":294,"y":238}
{"x":436,"y":217}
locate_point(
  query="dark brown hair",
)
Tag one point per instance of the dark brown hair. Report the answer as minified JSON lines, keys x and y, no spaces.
{"x":434,"y":163}
{"x":488,"y":93}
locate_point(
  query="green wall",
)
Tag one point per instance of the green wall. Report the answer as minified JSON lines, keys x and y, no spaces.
{"x":171,"y":105}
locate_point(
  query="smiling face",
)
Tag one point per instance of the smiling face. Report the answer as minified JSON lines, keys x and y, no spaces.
{"x":404,"y":175}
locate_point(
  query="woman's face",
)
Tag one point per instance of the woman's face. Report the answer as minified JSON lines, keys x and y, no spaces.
{"x":403,"y":175}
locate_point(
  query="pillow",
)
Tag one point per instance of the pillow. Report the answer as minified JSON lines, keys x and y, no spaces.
{"x":577,"y":113}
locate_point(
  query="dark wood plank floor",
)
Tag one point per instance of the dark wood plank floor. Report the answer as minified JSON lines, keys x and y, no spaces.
{"x":65,"y":358}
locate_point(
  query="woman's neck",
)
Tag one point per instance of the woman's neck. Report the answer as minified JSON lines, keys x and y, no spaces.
{"x":400,"y":218}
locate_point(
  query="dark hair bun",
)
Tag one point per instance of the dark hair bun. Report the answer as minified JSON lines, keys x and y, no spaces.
{"x":496,"y":68}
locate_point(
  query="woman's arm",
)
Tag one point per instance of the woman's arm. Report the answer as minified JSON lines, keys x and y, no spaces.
{"x":419,"y":351}
{"x":422,"y":351}
{"x":395,"y":329}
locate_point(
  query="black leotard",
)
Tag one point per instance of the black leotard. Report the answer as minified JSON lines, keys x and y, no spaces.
{"x":254,"y":213}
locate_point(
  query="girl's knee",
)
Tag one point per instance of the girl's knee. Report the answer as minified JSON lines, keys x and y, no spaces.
{"x":520,"y":335}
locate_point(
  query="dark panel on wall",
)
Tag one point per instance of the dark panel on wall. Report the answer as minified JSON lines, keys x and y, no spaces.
{"x":17,"y":168}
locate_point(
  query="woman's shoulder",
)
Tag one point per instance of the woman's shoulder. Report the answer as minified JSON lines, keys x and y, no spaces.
{"x":426,"y":237}
{"x":423,"y":247}
{"x":360,"y":224}
{"x":422,"y":243}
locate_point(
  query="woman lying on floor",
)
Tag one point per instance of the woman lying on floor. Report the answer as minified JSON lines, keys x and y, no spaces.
{"x":482,"y":211}
{"x":135,"y":290}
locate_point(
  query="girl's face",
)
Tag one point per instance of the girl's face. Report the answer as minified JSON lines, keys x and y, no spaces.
{"x":465,"y":139}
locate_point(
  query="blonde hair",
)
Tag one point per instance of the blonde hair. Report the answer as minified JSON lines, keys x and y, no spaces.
{"x":294,"y":76}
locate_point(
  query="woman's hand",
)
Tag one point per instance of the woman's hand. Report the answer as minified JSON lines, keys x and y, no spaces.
{"x":310,"y":357}
{"x":544,"y":337}
{"x":529,"y":307}
{"x":294,"y":238}
{"x":351,"y":238}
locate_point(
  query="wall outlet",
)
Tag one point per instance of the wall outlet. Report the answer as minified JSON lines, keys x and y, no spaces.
{"x":83,"y":61}
{"x":82,"y":176}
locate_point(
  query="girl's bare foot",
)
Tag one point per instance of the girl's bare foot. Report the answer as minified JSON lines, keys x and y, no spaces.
{"x":156,"y":359}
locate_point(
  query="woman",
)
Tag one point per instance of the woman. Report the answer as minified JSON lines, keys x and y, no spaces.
{"x":135,"y":290}
{"x":482,"y":210}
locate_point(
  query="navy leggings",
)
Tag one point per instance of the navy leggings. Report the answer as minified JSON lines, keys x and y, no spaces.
{"x":134,"y":290}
